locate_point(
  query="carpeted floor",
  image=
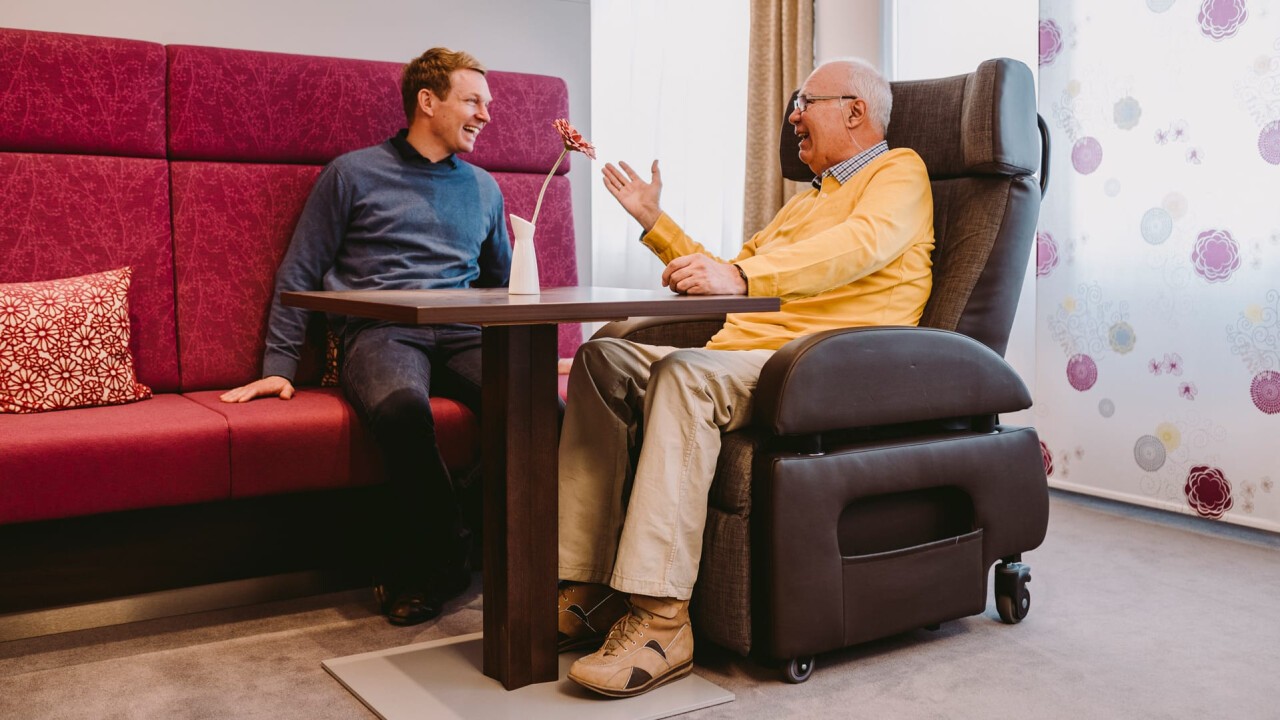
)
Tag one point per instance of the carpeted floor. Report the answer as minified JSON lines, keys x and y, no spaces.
{"x":1135,"y":614}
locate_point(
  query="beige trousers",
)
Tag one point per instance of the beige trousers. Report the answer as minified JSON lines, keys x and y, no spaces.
{"x":642,"y":533}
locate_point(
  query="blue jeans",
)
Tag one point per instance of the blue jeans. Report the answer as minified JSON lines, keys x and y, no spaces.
{"x":388,"y":373}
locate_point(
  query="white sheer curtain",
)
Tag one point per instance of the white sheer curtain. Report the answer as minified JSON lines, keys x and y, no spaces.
{"x":668,"y":81}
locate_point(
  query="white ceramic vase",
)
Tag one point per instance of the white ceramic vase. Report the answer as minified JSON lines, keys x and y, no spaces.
{"x":524,"y":261}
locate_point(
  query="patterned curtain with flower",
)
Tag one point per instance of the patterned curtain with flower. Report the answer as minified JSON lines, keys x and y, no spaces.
{"x":1158,"y":254}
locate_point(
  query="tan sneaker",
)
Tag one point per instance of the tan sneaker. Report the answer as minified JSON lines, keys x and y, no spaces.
{"x":586,"y":612}
{"x":651,"y":645}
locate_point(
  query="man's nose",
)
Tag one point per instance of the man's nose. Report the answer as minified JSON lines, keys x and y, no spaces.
{"x":483,"y":113}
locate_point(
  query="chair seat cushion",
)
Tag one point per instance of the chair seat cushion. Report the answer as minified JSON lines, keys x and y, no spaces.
{"x":315,"y":441}
{"x":163,"y":451}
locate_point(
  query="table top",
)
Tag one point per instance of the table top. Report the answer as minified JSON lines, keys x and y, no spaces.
{"x":495,"y":306}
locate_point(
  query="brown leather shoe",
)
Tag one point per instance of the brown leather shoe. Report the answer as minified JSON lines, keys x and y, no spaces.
{"x":650,"y":646}
{"x":586,"y":612}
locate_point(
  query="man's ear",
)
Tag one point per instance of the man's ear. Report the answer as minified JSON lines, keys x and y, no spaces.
{"x":426,"y":102}
{"x":855,"y":113}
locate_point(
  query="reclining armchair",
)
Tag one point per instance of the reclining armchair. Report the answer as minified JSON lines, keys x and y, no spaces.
{"x":875,"y":487}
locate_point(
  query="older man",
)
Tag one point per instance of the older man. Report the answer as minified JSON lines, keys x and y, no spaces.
{"x":853,"y":250}
{"x":404,"y":214}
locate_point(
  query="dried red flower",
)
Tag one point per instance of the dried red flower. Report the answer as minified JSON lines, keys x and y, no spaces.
{"x":573,"y":139}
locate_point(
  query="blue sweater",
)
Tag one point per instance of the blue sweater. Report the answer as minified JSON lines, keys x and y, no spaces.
{"x":387,"y":218}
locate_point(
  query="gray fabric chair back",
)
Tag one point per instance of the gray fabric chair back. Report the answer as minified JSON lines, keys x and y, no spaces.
{"x":978,"y":136}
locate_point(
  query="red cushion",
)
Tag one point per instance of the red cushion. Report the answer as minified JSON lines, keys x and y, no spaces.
{"x":65,"y":344}
{"x":315,"y":441}
{"x":69,"y":215}
{"x":81,"y":94}
{"x":165,"y":451}
{"x":231,"y":226}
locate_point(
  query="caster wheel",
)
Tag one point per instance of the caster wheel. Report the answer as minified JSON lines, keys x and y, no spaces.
{"x":1013,"y":599}
{"x":797,"y":670}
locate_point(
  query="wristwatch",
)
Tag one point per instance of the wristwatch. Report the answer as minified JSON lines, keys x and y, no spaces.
{"x":743,"y":275}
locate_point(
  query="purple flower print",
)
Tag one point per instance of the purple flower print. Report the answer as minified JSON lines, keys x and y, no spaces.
{"x":1220,"y":19}
{"x":1216,"y":255}
{"x":1265,"y":391}
{"x":1046,"y":457}
{"x":1082,"y":372}
{"x":1162,"y":137}
{"x":1046,"y":254}
{"x":1194,"y":156}
{"x":1155,"y":366}
{"x":1173,"y":363}
{"x":1050,"y":41}
{"x":1208,"y":491}
{"x":1187,"y":390}
{"x":1086,"y":155}
{"x":1269,"y":142}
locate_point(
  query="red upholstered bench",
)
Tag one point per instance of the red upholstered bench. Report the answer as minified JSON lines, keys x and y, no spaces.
{"x":191,"y":165}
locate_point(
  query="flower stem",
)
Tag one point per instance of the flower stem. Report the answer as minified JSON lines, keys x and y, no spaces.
{"x":545,"y":183}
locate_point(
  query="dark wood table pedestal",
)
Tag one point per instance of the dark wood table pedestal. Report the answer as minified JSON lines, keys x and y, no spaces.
{"x":519,"y":446}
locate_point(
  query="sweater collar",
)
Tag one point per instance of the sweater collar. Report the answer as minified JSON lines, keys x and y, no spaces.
{"x":410,"y":154}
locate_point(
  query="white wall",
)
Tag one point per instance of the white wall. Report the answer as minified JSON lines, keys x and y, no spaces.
{"x":843,"y":28}
{"x":549,"y":37}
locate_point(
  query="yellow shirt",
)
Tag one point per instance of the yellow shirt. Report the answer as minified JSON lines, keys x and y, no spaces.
{"x":842,"y":256}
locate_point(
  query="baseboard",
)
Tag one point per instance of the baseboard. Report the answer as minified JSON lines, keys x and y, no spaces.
{"x":168,"y":603}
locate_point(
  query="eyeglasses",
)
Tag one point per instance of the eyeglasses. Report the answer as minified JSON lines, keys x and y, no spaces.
{"x":803,"y":102}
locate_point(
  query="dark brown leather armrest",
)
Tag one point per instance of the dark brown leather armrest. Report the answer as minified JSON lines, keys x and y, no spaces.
{"x":685,"y":331}
{"x":864,"y":377}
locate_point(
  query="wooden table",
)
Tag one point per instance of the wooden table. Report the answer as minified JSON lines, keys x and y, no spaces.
{"x":519,"y":423}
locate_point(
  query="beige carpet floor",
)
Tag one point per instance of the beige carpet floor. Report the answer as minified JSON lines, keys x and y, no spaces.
{"x":1135,"y":614}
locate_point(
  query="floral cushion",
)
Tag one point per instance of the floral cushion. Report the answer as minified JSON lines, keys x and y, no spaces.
{"x":65,"y":344}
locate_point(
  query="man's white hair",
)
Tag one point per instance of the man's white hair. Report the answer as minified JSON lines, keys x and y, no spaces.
{"x":865,"y":81}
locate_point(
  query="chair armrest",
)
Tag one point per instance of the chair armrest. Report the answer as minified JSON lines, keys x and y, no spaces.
{"x":869,"y":376}
{"x":683,"y":331}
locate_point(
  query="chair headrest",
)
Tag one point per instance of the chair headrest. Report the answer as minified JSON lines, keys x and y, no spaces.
{"x":981,"y":123}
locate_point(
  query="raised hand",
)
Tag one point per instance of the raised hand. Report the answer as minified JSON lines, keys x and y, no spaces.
{"x":637,"y":197}
{"x":701,"y":275}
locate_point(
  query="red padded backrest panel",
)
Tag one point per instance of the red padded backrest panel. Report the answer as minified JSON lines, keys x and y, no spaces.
{"x":78,"y":94}
{"x":231,"y":225}
{"x":69,"y":215}
{"x":233,"y":217}
{"x":249,"y":106}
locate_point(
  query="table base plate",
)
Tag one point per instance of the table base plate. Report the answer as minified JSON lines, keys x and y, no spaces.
{"x":442,"y":679}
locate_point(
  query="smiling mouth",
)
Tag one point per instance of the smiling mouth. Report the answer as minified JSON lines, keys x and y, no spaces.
{"x":472,"y":130}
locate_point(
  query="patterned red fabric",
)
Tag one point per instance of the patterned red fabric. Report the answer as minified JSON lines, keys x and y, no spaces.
{"x":69,"y":215}
{"x":249,"y":106}
{"x":65,"y":344}
{"x":553,"y":239}
{"x":315,"y":441}
{"x":81,"y":94}
{"x":165,"y":451}
{"x":231,"y":226}
{"x":520,"y":136}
